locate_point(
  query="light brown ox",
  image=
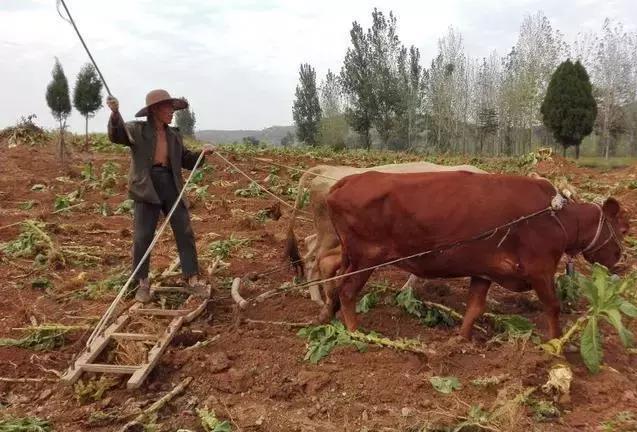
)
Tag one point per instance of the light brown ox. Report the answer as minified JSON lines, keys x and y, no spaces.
{"x":319,"y":180}
{"x":381,"y":217}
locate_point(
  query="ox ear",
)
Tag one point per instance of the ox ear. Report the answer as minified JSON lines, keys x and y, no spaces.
{"x":611,"y":208}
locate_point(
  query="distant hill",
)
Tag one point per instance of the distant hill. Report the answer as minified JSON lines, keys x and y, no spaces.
{"x":273,"y":135}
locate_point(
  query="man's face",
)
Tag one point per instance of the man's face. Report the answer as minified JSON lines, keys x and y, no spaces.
{"x":164,"y":112}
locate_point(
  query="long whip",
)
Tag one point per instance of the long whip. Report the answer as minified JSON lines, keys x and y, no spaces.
{"x":70,"y":20}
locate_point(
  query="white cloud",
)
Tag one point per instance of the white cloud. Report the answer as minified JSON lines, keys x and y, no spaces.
{"x":237,"y":61}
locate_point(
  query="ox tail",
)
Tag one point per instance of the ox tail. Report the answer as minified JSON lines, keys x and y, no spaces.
{"x":291,"y":250}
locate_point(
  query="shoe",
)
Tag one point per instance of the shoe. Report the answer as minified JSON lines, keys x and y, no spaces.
{"x":143,"y":292}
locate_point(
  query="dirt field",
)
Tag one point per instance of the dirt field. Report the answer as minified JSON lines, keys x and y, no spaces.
{"x":253,"y":374}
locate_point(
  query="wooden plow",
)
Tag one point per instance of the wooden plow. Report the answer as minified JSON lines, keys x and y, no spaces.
{"x":86,"y":360}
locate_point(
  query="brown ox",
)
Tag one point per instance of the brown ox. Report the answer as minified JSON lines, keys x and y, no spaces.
{"x":318,"y":180}
{"x":382,"y":217}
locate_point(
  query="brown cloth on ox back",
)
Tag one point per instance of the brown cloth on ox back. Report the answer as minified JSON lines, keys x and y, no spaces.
{"x":380,"y":217}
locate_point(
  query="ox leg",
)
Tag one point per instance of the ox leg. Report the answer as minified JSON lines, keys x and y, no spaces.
{"x":546,"y":293}
{"x":328,"y":265}
{"x":475,"y":306}
{"x":348,"y":293}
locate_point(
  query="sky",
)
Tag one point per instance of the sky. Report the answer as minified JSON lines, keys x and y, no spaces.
{"x":237,"y":60}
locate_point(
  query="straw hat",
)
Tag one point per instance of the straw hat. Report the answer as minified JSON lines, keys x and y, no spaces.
{"x":156,"y":96}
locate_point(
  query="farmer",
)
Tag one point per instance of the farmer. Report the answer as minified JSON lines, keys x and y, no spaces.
{"x":158,"y":155}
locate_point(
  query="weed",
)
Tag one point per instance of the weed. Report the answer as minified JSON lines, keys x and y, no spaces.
{"x":544,"y":410}
{"x":429,"y":315}
{"x":27,"y":205}
{"x":42,"y":337}
{"x":210,"y":422}
{"x":96,"y":290}
{"x":253,"y":190}
{"x":607,"y":298}
{"x":567,"y":291}
{"x":367,"y":302}
{"x":623,"y":421}
{"x":103,"y":209}
{"x":92,"y":390}
{"x":511,"y":327}
{"x":109,"y":174}
{"x":199,"y":175}
{"x":87,"y":172}
{"x":222,"y":249}
{"x":322,"y":339}
{"x":126,"y":207}
{"x":24,"y":424}
{"x":445,"y":385}
{"x":490,"y":381}
{"x":63,"y":203}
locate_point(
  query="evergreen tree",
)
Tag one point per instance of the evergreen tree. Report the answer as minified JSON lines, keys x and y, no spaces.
{"x":185,"y":121}
{"x":307,"y":109}
{"x":87,"y":95}
{"x":569,"y":108}
{"x":59,"y":101}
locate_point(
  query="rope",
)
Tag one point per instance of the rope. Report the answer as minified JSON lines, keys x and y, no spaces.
{"x":260,"y":187}
{"x":109,"y":312}
{"x":482,"y":236}
{"x":268,"y":161}
{"x":70,"y":20}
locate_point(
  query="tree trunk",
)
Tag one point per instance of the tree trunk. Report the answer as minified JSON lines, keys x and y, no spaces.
{"x":86,"y":134}
{"x":564,"y":151}
{"x":577,"y":151}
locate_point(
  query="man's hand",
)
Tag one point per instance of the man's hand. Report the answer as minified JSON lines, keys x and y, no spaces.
{"x":208,"y":149}
{"x":112,"y":103}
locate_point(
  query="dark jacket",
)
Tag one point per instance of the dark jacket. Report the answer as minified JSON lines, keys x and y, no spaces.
{"x":140,"y":137}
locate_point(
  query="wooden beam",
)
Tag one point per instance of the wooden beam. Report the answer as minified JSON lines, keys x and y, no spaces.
{"x":89,"y":354}
{"x":135,"y":336}
{"x":109,"y":368}
{"x":160,"y":312}
{"x":154,"y":354}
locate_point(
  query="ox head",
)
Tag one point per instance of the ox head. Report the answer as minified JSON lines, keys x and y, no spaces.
{"x":606,"y":247}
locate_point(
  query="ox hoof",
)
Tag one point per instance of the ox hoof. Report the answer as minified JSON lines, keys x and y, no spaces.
{"x":325,"y":316}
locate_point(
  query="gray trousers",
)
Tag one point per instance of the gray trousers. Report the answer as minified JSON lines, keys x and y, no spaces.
{"x":146,"y":216}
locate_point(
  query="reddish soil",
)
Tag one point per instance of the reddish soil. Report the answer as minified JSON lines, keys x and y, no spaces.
{"x":254,"y":374}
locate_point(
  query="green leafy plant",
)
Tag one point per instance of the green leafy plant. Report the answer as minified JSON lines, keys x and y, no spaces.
{"x":87,"y":172}
{"x":253,"y":190}
{"x":200,"y":174}
{"x":623,"y":421}
{"x":606,"y":295}
{"x":445,"y":385}
{"x":42,"y":337}
{"x":568,"y":291}
{"x":543,"y":410}
{"x":93,"y":390}
{"x":223,"y":248}
{"x":367,"y":302}
{"x":429,"y":314}
{"x":511,"y":327}
{"x":108,"y":175}
{"x":27,"y":205}
{"x":63,"y":203}
{"x":322,"y":339}
{"x":96,"y":290}
{"x":210,"y":422}
{"x":126,"y":207}
{"x":24,"y":424}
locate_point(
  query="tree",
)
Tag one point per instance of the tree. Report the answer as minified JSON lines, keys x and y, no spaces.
{"x":287,"y":140}
{"x":57,"y":97}
{"x":569,"y":108}
{"x":185,"y":120}
{"x":356,"y":79}
{"x":614,"y":77}
{"x":333,"y":126}
{"x":87,"y":95}
{"x":306,"y":110}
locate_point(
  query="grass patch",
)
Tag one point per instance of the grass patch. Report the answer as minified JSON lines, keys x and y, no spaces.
{"x":24,"y":424}
{"x":42,"y":337}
